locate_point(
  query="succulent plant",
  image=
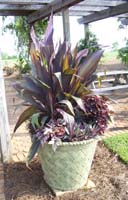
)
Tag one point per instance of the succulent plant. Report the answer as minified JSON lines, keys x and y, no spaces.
{"x":61,"y":107}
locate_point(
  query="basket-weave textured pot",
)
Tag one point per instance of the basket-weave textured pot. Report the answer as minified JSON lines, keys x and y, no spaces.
{"x":68,"y":167}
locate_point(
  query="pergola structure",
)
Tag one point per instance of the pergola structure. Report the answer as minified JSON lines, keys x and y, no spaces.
{"x":88,"y":10}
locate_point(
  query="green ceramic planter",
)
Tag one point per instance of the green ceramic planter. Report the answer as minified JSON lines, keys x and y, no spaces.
{"x":68,"y":167}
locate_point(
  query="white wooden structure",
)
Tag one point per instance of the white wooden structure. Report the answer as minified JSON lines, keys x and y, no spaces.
{"x":5,"y":141}
{"x":112,"y":79}
{"x":88,"y":10}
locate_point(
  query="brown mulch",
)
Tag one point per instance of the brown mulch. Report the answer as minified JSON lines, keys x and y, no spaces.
{"x":108,"y":173}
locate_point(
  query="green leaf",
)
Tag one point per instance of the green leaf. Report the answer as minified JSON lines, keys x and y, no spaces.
{"x":25,"y":115}
{"x":69,"y":71}
{"x":35,"y":120}
{"x":33,"y":149}
{"x":43,"y":120}
{"x":69,"y":105}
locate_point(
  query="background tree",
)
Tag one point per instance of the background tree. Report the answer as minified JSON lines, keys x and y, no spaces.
{"x":115,"y":46}
{"x":90,"y":42}
{"x":20,"y":28}
{"x":123,"y":52}
{"x":123,"y":24}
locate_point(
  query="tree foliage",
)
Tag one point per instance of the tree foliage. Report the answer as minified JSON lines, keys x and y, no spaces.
{"x":123,"y":22}
{"x":123,"y":54}
{"x":20,"y":28}
{"x":90,"y":42}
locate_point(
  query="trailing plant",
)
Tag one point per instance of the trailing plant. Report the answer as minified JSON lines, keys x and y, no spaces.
{"x":61,"y":108}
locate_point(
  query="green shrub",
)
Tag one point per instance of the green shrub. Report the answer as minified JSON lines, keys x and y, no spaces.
{"x":119,"y":145}
{"x":90,"y":43}
{"x":123,"y":54}
{"x":23,"y":65}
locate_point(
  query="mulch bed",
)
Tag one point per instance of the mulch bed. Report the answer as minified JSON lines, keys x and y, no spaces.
{"x":108,"y":173}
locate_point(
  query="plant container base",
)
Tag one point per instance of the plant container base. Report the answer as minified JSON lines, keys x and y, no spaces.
{"x":90,"y":184}
{"x":67,"y":168}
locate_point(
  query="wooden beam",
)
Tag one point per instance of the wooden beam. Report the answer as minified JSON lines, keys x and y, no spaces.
{"x":5,"y":140}
{"x":20,"y":7}
{"x":87,"y":8}
{"x":24,"y":2}
{"x":66,"y":25}
{"x":86,"y":30}
{"x":102,"y":3}
{"x":123,"y":15}
{"x":55,"y":6}
{"x":111,"y":12}
{"x":15,"y":12}
{"x":79,"y":13}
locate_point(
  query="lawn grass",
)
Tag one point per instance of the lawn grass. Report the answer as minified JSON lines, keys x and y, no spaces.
{"x":119,"y":145}
{"x":9,"y":62}
{"x":109,"y":55}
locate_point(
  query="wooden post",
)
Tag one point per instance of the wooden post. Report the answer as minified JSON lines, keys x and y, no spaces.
{"x":66,"y":25}
{"x":86,"y":30}
{"x":5,"y":141}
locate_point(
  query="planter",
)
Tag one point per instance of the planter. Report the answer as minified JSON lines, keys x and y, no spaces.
{"x":68,"y":167}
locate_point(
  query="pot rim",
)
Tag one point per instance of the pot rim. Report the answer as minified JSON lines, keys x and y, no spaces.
{"x":96,"y":139}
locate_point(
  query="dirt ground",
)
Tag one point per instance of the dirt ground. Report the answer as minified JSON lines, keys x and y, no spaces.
{"x":108,"y":173}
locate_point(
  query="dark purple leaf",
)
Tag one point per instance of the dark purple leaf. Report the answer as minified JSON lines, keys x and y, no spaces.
{"x":69,"y":119}
{"x":25,"y":116}
{"x":89,"y":65}
{"x":90,"y":79}
{"x":57,"y":83}
{"x":57,"y":61}
{"x":17,"y":86}
{"x":46,"y":52}
{"x":68,"y":104}
{"x":30,"y":85}
{"x":35,"y":39}
{"x":80,"y":55}
{"x":33,"y":149}
{"x":28,"y":97}
{"x":48,"y":39}
{"x":79,"y":102}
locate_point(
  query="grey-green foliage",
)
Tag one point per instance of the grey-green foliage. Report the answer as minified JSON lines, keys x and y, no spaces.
{"x":20,"y":28}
